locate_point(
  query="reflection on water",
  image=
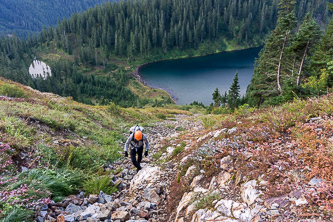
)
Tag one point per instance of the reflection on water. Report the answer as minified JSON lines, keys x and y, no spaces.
{"x":195,"y":79}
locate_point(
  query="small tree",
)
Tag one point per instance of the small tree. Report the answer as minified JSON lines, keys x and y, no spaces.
{"x":233,"y":96}
{"x":216,"y":97}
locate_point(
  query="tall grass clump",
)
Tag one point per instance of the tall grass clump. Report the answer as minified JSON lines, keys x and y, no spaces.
{"x":96,"y":184}
{"x":44,"y":183}
{"x":17,"y":214}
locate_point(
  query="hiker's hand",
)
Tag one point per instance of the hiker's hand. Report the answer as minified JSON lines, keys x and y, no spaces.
{"x":126,"y":154}
{"x":146,"y":153}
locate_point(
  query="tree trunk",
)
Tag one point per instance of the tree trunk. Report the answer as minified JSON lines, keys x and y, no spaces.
{"x":302,"y":63}
{"x":279,"y":66}
{"x":292,"y":71}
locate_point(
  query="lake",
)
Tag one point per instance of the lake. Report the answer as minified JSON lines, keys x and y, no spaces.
{"x":195,"y":79}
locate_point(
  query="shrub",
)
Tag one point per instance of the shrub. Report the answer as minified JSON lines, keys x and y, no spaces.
{"x":12,"y":91}
{"x":221,"y":110}
{"x":207,"y":201}
{"x":161,"y":116}
{"x":179,"y":149}
{"x":113,"y":108}
{"x":95,"y":185}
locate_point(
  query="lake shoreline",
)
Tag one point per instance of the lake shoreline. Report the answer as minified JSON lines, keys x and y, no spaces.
{"x":137,"y":75}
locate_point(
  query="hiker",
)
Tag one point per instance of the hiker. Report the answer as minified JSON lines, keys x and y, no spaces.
{"x":136,"y":140}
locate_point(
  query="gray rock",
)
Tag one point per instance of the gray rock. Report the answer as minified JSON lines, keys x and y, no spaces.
{"x":69,"y":218}
{"x":40,"y":219}
{"x":222,"y":178}
{"x":43,"y":213}
{"x":232,"y":130}
{"x":112,"y":205}
{"x":104,"y":215}
{"x":120,"y":215}
{"x":145,"y":205}
{"x":123,"y":203}
{"x":93,"y":198}
{"x":138,"y":220}
{"x":125,"y":172}
{"x":315,"y":181}
{"x":104,"y":198}
{"x":44,"y":207}
{"x":296,"y":194}
{"x":134,"y":211}
{"x":190,"y":173}
{"x":301,"y":201}
{"x":128,"y":177}
{"x":159,"y":190}
{"x":249,"y":193}
{"x":91,"y":210}
{"x":226,"y":162}
{"x":122,"y":208}
{"x":276,"y":202}
{"x":72,"y":208}
{"x":151,"y":195}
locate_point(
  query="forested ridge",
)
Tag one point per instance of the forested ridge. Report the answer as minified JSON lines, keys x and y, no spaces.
{"x":136,"y":32}
{"x":26,"y":16}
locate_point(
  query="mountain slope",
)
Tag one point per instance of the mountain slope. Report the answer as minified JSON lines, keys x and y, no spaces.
{"x":253,"y":165}
{"x":26,"y":16}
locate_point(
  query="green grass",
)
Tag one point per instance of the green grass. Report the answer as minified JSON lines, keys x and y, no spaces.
{"x":17,"y":214}
{"x":60,"y":183}
{"x":207,"y":201}
{"x":179,"y":149}
{"x":96,"y":184}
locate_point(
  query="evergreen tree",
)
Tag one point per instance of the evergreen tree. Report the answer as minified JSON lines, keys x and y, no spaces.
{"x":233,"y":96}
{"x":216,"y":97}
{"x":272,"y":66}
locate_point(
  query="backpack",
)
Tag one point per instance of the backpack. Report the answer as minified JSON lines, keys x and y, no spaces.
{"x":135,"y":128}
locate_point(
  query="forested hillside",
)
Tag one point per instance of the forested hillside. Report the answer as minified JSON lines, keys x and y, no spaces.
{"x":103,"y":39}
{"x":27,"y":16}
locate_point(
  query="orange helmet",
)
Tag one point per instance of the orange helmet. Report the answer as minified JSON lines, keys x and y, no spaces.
{"x":138,"y":135}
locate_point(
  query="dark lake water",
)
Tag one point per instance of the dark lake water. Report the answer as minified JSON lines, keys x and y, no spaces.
{"x":195,"y":79}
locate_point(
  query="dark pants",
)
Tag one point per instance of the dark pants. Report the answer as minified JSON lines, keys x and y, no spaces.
{"x":138,"y":151}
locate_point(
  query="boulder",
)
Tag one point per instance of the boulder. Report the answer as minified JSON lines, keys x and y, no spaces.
{"x":148,"y":176}
{"x":224,"y":207}
{"x":222,"y":178}
{"x":248,"y":192}
{"x":187,"y":197}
